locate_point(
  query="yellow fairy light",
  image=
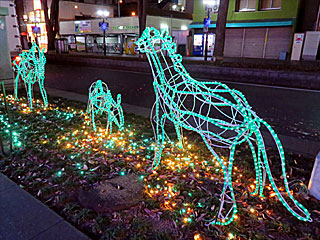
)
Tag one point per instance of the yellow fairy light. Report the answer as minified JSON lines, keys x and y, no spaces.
{"x":272,"y":194}
{"x":231,"y":236}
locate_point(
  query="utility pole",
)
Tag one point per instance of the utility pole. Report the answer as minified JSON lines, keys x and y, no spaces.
{"x":142,"y":7}
{"x":207,"y":36}
{"x":221,"y":30}
{"x":119,"y":1}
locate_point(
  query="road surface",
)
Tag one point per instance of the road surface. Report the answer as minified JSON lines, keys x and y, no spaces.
{"x":292,"y":112}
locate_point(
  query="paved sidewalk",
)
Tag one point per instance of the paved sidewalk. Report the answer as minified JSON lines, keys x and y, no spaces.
{"x":22,"y":217}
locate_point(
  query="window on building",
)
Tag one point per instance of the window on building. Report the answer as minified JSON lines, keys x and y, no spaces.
{"x":270,"y":4}
{"x":246,"y":5}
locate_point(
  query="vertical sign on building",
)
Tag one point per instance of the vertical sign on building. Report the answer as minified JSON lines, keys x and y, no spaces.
{"x":297,"y":46}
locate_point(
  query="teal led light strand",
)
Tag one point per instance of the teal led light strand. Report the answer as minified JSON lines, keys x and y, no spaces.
{"x":30,"y":67}
{"x":220,"y":115}
{"x":101,"y":102}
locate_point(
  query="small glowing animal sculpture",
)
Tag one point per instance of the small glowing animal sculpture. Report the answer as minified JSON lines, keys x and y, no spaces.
{"x":30,"y":66}
{"x":221,"y":116}
{"x":101,"y":101}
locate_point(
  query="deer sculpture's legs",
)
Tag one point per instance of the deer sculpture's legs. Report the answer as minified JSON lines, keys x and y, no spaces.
{"x":92,"y":114}
{"x":227,"y":195}
{"x":43,"y":93}
{"x":16,"y":85}
{"x":179,"y":134}
{"x":118,"y":121}
{"x":110,"y":120}
{"x":159,"y":140}
{"x":258,"y":167}
{"x":29,"y":93}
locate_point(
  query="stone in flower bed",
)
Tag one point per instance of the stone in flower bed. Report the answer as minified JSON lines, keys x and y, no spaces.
{"x":119,"y":193}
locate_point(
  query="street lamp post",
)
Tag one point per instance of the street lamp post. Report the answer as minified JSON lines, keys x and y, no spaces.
{"x":104,"y":40}
{"x":104,"y":15}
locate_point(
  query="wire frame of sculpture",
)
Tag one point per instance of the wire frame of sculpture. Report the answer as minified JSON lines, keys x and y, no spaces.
{"x":101,"y":102}
{"x":31,"y":69}
{"x":220,"y":115}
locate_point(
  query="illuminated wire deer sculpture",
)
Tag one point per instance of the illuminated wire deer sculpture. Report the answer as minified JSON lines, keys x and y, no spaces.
{"x":101,"y":101}
{"x":221,"y":116}
{"x":30,"y":66}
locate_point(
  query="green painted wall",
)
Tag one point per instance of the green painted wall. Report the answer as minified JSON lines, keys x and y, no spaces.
{"x":289,"y":9}
{"x":5,"y":59}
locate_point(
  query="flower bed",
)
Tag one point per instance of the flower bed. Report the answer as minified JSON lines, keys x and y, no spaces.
{"x":57,"y":155}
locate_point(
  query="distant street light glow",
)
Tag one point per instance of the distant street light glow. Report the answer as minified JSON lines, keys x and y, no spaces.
{"x":164,"y":26}
{"x":184,"y":27}
{"x":211,"y":2}
{"x":103,"y":13}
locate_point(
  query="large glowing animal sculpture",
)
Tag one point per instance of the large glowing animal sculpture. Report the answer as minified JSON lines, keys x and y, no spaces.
{"x":221,"y":116}
{"x":101,"y":101}
{"x":30,"y":66}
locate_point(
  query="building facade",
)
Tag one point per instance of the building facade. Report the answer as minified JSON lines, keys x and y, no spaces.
{"x":79,"y":22}
{"x":32,"y":21}
{"x":85,"y":35}
{"x":254,"y":29}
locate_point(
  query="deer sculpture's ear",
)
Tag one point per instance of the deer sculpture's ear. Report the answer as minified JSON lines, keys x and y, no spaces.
{"x":165,"y":36}
{"x":164,"y":33}
{"x":119,"y":98}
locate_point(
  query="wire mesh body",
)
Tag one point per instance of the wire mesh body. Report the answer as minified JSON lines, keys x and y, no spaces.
{"x":101,"y":102}
{"x":220,"y":115}
{"x":30,"y":67}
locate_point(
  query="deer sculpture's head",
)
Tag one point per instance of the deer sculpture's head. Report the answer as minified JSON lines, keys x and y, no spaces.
{"x":149,"y":38}
{"x":152,"y":38}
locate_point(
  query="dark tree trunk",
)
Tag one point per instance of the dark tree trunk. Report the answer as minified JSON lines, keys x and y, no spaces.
{"x":142,"y":8}
{"x":52,"y":23}
{"x":142,"y":14}
{"x":221,"y":29}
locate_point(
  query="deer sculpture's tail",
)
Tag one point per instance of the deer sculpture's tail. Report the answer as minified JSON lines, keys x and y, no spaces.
{"x":261,"y":160}
{"x":298,"y":210}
